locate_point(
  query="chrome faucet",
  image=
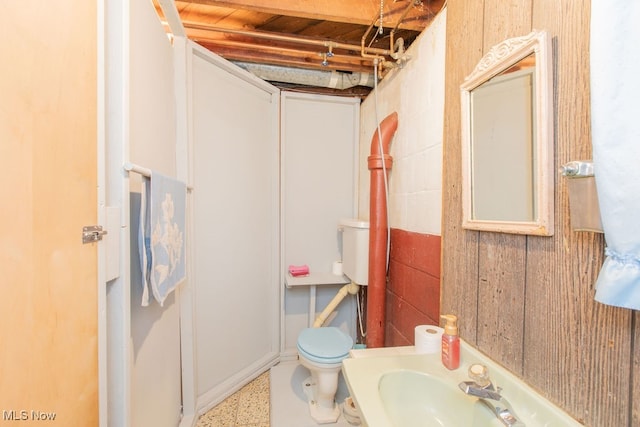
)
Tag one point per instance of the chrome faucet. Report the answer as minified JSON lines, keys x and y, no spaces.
{"x":482,"y":388}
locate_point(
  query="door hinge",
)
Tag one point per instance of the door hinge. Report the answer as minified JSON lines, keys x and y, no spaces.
{"x":92,"y":233}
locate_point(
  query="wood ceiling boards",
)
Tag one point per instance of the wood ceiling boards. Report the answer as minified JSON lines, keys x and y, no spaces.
{"x":322,"y":35}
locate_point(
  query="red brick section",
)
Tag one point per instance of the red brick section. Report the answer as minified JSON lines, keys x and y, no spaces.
{"x":413,"y":291}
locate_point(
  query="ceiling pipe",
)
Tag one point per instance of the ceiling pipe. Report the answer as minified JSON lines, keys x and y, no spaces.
{"x":365,"y":51}
{"x":286,"y":38}
{"x":279,"y":55}
{"x":393,"y":32}
{"x":379,"y":161}
{"x":396,"y":47}
{"x":301,"y":76}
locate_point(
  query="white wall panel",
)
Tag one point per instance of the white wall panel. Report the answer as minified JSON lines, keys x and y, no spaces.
{"x":234,"y":119}
{"x":319,"y":154}
{"x":155,"y":330}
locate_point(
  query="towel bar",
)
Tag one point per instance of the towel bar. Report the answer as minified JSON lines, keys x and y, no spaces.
{"x":132,"y":167}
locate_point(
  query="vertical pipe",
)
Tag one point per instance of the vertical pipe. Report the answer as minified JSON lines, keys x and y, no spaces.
{"x":378,"y":222}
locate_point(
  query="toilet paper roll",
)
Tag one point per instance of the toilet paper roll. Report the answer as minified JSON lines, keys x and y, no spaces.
{"x":337,"y":268}
{"x":428,"y":339}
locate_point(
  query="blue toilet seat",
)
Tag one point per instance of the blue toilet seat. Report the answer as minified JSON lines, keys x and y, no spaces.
{"x":324,"y":345}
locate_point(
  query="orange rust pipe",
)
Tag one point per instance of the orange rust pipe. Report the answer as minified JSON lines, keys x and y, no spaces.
{"x":377,"y":286}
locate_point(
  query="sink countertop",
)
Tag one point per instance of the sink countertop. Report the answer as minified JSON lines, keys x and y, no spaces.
{"x":364,"y":369}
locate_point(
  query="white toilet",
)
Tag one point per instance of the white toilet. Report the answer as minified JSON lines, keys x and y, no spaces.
{"x":322,"y":349}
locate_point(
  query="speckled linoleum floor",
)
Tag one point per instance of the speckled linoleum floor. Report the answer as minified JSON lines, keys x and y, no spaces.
{"x":248,"y":407}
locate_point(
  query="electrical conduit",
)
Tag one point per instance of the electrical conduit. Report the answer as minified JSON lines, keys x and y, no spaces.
{"x":379,"y":163}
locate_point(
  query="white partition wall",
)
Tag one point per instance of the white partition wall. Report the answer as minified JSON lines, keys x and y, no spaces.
{"x":143,"y":342}
{"x":319,"y":138}
{"x":233,"y":119}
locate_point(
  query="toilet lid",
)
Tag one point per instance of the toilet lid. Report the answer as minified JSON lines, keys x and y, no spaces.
{"x":324,"y":345}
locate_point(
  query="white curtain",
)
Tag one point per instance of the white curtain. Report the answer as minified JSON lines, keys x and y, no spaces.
{"x":615,"y":125}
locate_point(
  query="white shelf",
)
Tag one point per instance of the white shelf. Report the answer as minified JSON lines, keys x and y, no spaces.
{"x":314,"y":279}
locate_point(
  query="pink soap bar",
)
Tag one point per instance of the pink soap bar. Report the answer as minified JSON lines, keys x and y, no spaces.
{"x":298,"y":270}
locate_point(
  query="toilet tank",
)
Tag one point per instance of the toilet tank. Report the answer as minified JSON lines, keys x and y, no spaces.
{"x":355,"y":250}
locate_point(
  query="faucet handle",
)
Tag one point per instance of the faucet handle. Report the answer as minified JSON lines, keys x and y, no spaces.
{"x":479,"y":374}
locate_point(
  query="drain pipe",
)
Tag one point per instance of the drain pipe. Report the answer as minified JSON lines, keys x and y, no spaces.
{"x":351,"y":288}
{"x":378,"y":222}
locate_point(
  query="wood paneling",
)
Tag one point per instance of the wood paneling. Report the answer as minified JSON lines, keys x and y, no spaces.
{"x":501,"y":284}
{"x":502,"y":257}
{"x":527,"y":301}
{"x":459,"y":248}
{"x":635,"y":385}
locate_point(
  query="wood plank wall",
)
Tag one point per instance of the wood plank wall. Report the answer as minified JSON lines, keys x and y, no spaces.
{"x":528,"y":302}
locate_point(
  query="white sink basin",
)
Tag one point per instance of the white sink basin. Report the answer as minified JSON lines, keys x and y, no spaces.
{"x":416,"y":399}
{"x":394,"y":387}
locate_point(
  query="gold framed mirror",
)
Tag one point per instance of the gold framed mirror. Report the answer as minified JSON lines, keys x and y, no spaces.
{"x":507,"y":139}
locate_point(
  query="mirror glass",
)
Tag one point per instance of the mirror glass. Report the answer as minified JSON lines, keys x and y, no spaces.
{"x":507,"y":139}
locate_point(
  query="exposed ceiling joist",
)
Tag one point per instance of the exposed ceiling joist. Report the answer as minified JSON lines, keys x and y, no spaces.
{"x":323,"y":35}
{"x":361,"y":12}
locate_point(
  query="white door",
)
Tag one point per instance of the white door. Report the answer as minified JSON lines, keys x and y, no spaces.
{"x":234,"y":159}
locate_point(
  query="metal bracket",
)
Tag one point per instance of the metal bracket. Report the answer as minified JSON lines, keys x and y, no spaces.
{"x":92,"y":233}
{"x":577,"y":169}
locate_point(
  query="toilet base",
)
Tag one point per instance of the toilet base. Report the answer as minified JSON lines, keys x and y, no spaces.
{"x":320,"y":414}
